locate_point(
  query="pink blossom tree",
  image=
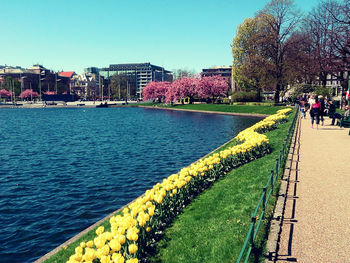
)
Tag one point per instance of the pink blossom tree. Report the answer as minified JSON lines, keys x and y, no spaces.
{"x":5,"y":93}
{"x":28,"y":93}
{"x":182,"y":88}
{"x":212,"y":87}
{"x":155,"y":90}
{"x":50,"y":93}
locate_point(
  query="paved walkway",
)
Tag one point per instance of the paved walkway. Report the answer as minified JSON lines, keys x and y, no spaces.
{"x":316,"y":221}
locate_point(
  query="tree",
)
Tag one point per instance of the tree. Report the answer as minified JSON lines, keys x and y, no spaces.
{"x":340,"y":13}
{"x":212,"y":87}
{"x":119,"y":86}
{"x":28,"y":93}
{"x":5,"y":93}
{"x":155,"y":90}
{"x":182,"y":88}
{"x":243,"y":48}
{"x":260,"y":45}
{"x":180,"y":73}
{"x":281,"y":19}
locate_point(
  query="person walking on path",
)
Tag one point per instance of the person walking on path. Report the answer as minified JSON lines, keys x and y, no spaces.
{"x":322,"y":109}
{"x":315,"y":112}
{"x":302,"y":103}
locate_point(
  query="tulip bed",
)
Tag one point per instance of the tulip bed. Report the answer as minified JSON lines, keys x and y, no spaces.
{"x":133,"y":234}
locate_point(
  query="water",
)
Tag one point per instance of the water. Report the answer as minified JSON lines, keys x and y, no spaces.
{"x":64,"y":169}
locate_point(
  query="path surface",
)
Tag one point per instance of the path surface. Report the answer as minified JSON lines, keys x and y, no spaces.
{"x":316,"y":225}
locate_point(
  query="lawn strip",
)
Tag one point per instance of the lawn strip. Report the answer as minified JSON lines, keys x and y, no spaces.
{"x":226,"y":108}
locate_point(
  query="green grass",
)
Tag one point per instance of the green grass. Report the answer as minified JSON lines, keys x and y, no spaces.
{"x":268,"y":109}
{"x":213,"y":227}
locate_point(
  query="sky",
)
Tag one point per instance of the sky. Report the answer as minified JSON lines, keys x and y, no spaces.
{"x":71,"y":35}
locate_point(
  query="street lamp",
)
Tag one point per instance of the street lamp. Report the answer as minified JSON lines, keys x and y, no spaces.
{"x":56,"y":80}
{"x":42,"y":72}
{"x":22,"y":82}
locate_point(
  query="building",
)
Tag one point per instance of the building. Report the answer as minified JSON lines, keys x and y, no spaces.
{"x":334,"y":82}
{"x":224,"y":71}
{"x":87,"y":86}
{"x":37,"y":78}
{"x":138,"y":75}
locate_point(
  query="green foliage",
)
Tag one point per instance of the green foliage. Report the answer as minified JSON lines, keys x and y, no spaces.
{"x":248,"y":109}
{"x":324,"y":91}
{"x":243,"y":96}
{"x":122,"y":87}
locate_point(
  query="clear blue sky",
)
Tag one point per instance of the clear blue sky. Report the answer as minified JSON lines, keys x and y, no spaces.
{"x":72,"y":35}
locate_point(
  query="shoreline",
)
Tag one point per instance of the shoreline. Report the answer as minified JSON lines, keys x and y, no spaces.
{"x":74,"y":105}
{"x":258,"y":115}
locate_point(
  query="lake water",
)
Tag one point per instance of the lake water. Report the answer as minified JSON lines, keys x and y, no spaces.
{"x":64,"y":169}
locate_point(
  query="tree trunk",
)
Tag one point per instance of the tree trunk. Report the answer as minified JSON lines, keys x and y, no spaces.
{"x":277,"y":93}
{"x":259,"y":95}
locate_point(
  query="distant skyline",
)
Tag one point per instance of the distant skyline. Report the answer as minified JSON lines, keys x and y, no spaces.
{"x":73,"y":35}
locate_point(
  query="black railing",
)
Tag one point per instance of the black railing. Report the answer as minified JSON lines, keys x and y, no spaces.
{"x":267,"y":191}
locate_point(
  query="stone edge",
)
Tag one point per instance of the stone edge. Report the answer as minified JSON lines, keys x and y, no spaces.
{"x":272,"y":244}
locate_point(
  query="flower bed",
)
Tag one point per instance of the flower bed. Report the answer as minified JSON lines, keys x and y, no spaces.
{"x":134,"y":234}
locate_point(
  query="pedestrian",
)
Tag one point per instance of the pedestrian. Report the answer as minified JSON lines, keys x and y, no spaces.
{"x":302,"y":103}
{"x":322,"y":109}
{"x":331,"y":109}
{"x":337,"y":115}
{"x":315,"y":112}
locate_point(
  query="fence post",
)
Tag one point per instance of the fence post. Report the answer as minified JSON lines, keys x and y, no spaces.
{"x":272,"y":180}
{"x":264,"y":198}
{"x":252,"y":233}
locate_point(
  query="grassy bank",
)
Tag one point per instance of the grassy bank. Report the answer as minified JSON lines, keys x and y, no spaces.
{"x":213,"y":227}
{"x":249,"y":109}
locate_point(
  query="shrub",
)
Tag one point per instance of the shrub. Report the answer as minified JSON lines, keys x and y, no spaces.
{"x":244,"y":96}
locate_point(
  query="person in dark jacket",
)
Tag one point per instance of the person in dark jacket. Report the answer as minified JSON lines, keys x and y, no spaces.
{"x":315,"y":112}
{"x":322,"y":109}
{"x":337,"y":115}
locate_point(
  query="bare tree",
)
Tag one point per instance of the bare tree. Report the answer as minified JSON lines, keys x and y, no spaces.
{"x":282,"y":20}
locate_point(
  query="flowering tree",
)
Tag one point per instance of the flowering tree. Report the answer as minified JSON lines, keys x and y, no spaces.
{"x":155,"y":90}
{"x":212,"y":87}
{"x":50,"y":93}
{"x":5,"y":93}
{"x":182,"y":88}
{"x":28,"y":93}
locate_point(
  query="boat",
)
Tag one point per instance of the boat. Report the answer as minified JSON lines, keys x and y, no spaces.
{"x":102,"y":105}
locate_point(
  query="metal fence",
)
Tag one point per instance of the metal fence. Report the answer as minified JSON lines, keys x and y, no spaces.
{"x":267,"y":191}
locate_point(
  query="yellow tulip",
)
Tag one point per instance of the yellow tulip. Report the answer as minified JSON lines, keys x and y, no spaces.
{"x":105,"y":259}
{"x":132,"y":248}
{"x":122,"y":239}
{"x":100,"y":230}
{"x":117,"y":258}
{"x":115,"y":244}
{"x":90,"y":243}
